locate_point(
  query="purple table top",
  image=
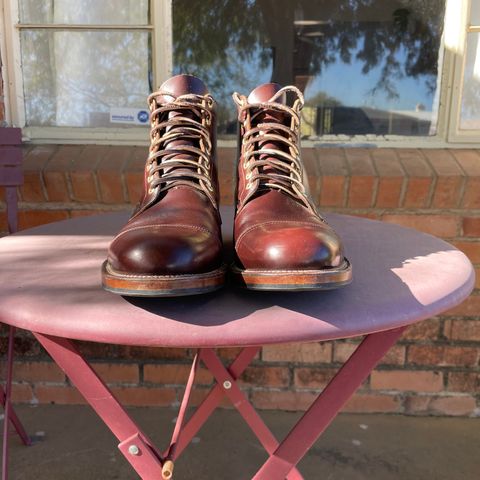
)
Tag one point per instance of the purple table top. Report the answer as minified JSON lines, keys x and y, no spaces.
{"x":50,"y":283}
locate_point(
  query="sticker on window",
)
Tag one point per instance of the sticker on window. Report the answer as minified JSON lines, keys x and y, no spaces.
{"x":131,"y":116}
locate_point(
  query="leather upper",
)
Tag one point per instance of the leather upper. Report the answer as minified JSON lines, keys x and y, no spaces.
{"x":276,"y":228}
{"x":175,"y":229}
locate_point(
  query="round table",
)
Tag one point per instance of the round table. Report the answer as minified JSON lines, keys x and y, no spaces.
{"x":51,"y":285}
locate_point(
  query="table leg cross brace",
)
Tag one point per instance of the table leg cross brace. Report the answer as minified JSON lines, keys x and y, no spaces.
{"x":283,"y":457}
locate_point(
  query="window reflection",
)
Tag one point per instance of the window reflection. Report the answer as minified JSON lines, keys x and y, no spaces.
{"x":365,"y":66}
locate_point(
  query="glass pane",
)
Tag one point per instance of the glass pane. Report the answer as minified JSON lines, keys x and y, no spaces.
{"x":365,"y":66}
{"x":74,"y":78}
{"x":470,"y":113}
{"x":119,"y":12}
{"x":475,"y":13}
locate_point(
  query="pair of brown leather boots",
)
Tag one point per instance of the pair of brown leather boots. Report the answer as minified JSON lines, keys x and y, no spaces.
{"x":172,"y":244}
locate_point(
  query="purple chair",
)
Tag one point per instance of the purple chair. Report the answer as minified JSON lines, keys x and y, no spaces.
{"x":11,"y":176}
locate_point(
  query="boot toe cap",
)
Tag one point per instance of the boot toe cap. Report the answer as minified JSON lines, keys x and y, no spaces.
{"x":164,"y":251}
{"x":290,"y":248}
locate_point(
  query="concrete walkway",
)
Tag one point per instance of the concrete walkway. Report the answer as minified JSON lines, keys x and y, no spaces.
{"x":73,"y":445}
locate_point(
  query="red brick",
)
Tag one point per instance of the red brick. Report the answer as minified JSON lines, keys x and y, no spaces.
{"x":134,"y":174}
{"x":470,"y":163}
{"x":417,"y":192}
{"x":454,"y":406}
{"x":471,"y":226}
{"x":93,"y":350}
{"x":447,"y":192}
{"x":469,"y":160}
{"x":32,"y":189}
{"x":152,"y":353}
{"x":37,"y":372}
{"x":134,"y":182}
{"x":283,"y":400}
{"x":463,"y":329}
{"x":334,"y":172}
{"x":389,"y":192}
{"x":56,"y":185}
{"x":414,"y":163}
{"x":83,"y":186}
{"x":111,"y":188}
{"x":35,"y":159}
{"x":439,"y":225}
{"x":266,"y":377}
{"x":332,"y":162}
{"x":441,"y":355}
{"x":371,"y":403}
{"x":313,"y":377}
{"x":391,"y":177}
{"x":22,"y":393}
{"x":426,"y":330}
{"x":363,"y":177}
{"x":443,"y":162}
{"x":174,"y":374}
{"x":302,"y":353}
{"x":62,"y":395}
{"x":145,"y":397}
{"x":33,"y":218}
{"x":343,"y":350}
{"x":414,"y":405}
{"x":416,"y":381}
{"x":470,"y":249}
{"x":226,"y":164}
{"x":471,"y":196}
{"x":468,"y":308}
{"x":231,"y":353}
{"x":117,"y":373}
{"x":109,"y":173}
{"x":360,"y":192}
{"x":332,"y":191}
{"x":463,"y":382}
{"x":310,"y":163}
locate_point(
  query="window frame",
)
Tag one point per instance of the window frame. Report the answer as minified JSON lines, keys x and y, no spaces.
{"x":160,"y":26}
{"x":458,"y":53}
{"x":451,"y":81}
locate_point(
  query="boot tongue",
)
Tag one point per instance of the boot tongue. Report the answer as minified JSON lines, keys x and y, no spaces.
{"x":263,"y":94}
{"x":177,"y":86}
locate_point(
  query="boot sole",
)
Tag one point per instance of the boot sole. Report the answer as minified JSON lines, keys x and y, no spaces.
{"x":137,"y":285}
{"x":293,"y":280}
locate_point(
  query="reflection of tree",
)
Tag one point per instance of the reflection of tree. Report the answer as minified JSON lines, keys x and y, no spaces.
{"x":400,"y":37}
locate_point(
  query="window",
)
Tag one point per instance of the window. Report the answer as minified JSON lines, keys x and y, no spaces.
{"x":465,"y":118}
{"x":364,"y":66}
{"x":86,"y":66}
{"x":80,"y":70}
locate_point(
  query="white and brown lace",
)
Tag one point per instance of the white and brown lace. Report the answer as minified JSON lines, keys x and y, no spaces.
{"x":180,"y":164}
{"x":278,"y":168}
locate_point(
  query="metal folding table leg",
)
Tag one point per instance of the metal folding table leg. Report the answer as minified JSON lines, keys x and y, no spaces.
{"x":10,"y":416}
{"x":134,"y":444}
{"x":324,"y":409}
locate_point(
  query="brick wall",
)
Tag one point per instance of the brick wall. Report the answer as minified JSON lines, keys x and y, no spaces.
{"x":434,"y":368}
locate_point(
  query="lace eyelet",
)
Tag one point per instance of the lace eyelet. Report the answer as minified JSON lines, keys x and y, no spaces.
{"x":245,"y":165}
{"x":248,"y":175}
{"x":249,"y":186}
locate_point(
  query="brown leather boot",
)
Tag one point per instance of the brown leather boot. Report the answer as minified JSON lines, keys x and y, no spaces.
{"x":172,"y":244}
{"x":281,"y":242}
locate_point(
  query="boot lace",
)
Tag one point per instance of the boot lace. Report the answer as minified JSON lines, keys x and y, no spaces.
{"x":281,"y":167}
{"x":170,"y":165}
